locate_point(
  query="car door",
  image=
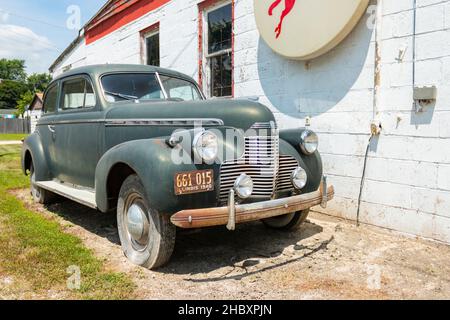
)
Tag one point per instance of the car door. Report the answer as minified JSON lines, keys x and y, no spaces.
{"x":45,"y":126}
{"x":77,"y":132}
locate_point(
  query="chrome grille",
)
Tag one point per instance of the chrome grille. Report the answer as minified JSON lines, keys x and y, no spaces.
{"x":287,"y":165}
{"x":264,"y":125}
{"x":261,"y":161}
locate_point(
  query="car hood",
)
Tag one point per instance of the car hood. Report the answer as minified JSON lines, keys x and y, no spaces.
{"x":240,"y":114}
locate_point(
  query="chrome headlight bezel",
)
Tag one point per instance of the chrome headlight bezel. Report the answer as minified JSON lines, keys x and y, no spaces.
{"x":299,"y":178}
{"x":309,"y":142}
{"x":198,"y":147}
{"x":243,"y":186}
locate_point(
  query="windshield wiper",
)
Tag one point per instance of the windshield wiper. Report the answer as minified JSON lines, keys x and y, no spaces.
{"x":121,"y":95}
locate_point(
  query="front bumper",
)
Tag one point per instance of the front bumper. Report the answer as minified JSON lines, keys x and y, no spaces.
{"x":234,"y":214}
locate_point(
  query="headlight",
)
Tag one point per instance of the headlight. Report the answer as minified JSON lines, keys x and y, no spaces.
{"x":299,"y":178}
{"x":206,"y":147}
{"x":310,"y":142}
{"x":243,"y":186}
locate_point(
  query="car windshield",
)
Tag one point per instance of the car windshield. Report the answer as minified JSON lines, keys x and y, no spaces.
{"x":146,"y":86}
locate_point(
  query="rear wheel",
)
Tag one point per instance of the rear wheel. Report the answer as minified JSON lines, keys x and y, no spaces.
{"x":288,"y":221}
{"x":147,"y":236}
{"x":39,"y":195}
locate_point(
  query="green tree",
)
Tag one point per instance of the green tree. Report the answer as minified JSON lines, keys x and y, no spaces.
{"x":38,"y":82}
{"x":13,"y":70}
{"x":10,"y":93}
{"x":24,"y":102}
{"x":14,"y":84}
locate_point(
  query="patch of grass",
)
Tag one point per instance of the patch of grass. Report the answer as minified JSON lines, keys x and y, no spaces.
{"x":36,"y":250}
{"x":12,"y":137}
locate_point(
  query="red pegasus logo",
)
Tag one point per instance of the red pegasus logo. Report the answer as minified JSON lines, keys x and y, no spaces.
{"x":288,"y":5}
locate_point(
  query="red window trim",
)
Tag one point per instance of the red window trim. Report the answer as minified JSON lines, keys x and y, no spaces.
{"x":202,"y":6}
{"x":143,"y":33}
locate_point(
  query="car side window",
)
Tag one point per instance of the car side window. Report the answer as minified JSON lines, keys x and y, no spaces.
{"x":77,"y":94}
{"x":51,"y":99}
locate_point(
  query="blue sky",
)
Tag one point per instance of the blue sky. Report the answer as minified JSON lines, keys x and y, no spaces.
{"x":38,"y":31}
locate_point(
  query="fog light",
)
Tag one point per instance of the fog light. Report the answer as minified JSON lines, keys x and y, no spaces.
{"x":243,"y":186}
{"x":299,"y":178}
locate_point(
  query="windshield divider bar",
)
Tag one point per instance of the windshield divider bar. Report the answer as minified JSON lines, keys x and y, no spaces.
{"x":162,"y":87}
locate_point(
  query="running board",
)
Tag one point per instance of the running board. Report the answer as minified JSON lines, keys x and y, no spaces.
{"x":83,"y":196}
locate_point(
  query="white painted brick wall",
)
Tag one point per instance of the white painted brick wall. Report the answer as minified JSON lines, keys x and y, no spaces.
{"x":407,"y":185}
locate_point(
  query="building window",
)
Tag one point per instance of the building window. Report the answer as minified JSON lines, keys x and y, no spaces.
{"x":150,"y":45}
{"x":152,"y":49}
{"x":218,"y":51}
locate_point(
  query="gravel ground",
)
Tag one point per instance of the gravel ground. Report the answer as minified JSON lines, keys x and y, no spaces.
{"x":326,"y":258}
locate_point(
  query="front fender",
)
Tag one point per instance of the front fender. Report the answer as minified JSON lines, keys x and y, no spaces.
{"x":290,"y":144}
{"x":33,"y":146}
{"x":151,"y":159}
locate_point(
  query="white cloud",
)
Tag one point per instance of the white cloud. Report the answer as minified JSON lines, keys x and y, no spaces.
{"x":22,"y":43}
{"x":4,"y":17}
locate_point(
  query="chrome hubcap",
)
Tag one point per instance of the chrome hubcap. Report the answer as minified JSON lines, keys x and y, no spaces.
{"x":137,"y":225}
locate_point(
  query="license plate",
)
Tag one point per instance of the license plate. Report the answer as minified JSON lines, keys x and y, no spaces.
{"x":194,"y":182}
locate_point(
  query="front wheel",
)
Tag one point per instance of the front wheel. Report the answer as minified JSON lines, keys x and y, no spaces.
{"x":147,"y":236}
{"x":288,"y":221}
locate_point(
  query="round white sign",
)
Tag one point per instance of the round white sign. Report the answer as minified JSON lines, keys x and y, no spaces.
{"x":306,"y":29}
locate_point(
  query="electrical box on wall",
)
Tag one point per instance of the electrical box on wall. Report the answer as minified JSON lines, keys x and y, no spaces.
{"x":425,"y":93}
{"x":424,"y":96}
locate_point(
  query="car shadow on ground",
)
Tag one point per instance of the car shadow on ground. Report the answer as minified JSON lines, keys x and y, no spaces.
{"x":251,"y":249}
{"x":207,"y":250}
{"x":102,"y":224}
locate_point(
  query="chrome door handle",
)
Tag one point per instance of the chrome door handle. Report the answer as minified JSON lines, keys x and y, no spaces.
{"x":51,"y":128}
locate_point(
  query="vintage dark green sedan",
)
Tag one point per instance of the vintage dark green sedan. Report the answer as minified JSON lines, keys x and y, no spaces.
{"x":145,"y":142}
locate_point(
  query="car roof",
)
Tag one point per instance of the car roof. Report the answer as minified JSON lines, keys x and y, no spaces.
{"x":100,"y":69}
